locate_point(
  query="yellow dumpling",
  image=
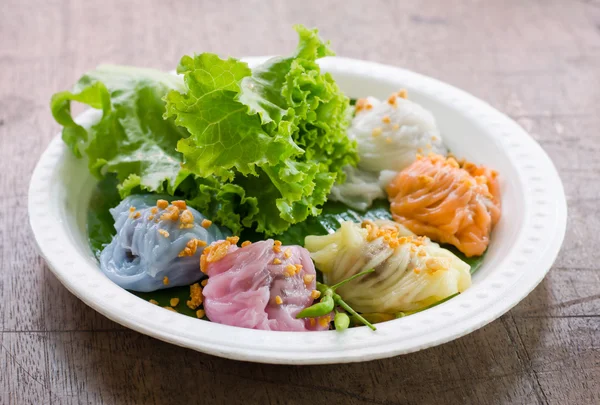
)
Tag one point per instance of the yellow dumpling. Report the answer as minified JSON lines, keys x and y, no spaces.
{"x":411,"y":272}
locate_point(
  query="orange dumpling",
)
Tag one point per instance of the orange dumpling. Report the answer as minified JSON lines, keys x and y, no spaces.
{"x":447,"y":201}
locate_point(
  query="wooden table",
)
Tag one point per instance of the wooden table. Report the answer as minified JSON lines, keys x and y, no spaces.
{"x":538,"y":61}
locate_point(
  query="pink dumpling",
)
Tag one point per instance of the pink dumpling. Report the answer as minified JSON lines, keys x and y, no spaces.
{"x":243,"y":287}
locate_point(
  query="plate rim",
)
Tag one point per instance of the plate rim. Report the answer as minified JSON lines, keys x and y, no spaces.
{"x":154,"y":321}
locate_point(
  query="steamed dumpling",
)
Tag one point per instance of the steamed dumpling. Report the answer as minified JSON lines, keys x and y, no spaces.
{"x":389,"y":135}
{"x":410,"y":272}
{"x":359,"y":190}
{"x":155,"y":240}
{"x":451,"y":202}
{"x":260,"y":286}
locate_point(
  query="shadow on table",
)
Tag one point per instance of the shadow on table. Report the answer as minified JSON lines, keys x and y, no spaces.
{"x":99,"y":361}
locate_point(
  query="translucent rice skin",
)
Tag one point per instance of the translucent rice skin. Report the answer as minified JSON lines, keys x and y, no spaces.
{"x":411,"y":272}
{"x":449,"y":202}
{"x":389,"y":135}
{"x":359,"y":190}
{"x":139,"y":257}
{"x":252,"y":287}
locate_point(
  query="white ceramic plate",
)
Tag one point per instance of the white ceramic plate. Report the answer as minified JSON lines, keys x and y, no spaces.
{"x":524,"y":244}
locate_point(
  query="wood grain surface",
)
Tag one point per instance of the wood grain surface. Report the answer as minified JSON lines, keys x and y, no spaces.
{"x":536,"y":60}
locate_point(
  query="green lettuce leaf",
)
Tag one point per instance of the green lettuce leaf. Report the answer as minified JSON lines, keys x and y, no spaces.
{"x":256,"y":148}
{"x":134,"y":149}
{"x":262,"y":91}
{"x":223,"y":136}
{"x":278,"y":131}
{"x":100,"y":223}
{"x":131,"y":139}
{"x":225,"y":203}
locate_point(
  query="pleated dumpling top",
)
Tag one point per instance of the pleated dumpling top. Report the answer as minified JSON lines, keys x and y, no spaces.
{"x":262,"y":285}
{"x":448,"y":201}
{"x":157,"y":245}
{"x":411,"y":272}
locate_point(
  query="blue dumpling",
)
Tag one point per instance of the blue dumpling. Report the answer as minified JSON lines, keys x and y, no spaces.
{"x":151,"y":242}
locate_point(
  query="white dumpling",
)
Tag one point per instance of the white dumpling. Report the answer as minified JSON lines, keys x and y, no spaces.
{"x":389,"y":135}
{"x":411,"y":272}
{"x":359,"y":190}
